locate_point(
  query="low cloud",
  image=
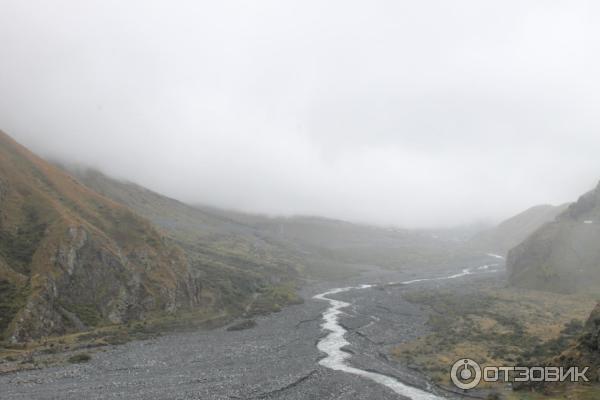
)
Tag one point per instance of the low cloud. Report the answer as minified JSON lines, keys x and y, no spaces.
{"x":415,"y":114}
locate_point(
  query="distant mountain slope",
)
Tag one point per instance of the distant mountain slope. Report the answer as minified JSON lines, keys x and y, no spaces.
{"x":171,"y":214}
{"x":514,"y":230}
{"x":210,"y":239}
{"x":278,"y":248}
{"x":563,"y":255}
{"x":333,"y":243}
{"x":71,"y":258}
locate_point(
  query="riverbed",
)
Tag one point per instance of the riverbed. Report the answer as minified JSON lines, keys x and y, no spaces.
{"x":286,"y":356}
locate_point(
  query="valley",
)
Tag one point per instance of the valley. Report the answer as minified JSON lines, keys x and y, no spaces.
{"x":111,"y":290}
{"x":299,"y":200}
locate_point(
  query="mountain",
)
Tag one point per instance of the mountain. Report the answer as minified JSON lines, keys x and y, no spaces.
{"x":208,"y":237}
{"x":278,"y":249}
{"x":71,"y":258}
{"x":562,"y":255}
{"x":358,"y":244}
{"x":514,"y":230}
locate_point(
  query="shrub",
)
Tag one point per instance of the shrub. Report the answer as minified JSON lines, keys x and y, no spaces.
{"x":80,"y":358}
{"x":247,"y":324}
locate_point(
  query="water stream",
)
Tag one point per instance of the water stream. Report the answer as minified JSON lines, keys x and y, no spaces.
{"x":333,"y":343}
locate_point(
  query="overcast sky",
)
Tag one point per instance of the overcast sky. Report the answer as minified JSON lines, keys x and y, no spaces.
{"x":411,"y":113}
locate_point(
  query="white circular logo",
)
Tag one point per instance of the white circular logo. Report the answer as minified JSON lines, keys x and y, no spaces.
{"x":465,"y":374}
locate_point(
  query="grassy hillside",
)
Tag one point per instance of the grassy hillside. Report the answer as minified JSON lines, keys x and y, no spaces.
{"x":586,"y":350}
{"x":71,"y":258}
{"x":504,"y":326}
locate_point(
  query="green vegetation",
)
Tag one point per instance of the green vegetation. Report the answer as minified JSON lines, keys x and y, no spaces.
{"x":80,"y":358}
{"x":273,"y":299}
{"x":567,"y":337}
{"x":87,"y":313}
{"x":496,"y":325}
{"x":12,"y":299}
{"x":18,"y":247}
{"x":242,"y":325}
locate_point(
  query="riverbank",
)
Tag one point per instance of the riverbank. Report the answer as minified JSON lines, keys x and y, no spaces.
{"x":495,"y":325}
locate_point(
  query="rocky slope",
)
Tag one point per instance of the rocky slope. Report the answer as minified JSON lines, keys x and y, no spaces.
{"x":71,"y":258}
{"x":514,"y":230}
{"x":563,"y":255}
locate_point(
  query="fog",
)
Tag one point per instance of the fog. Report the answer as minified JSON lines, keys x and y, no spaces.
{"x":408,"y":113}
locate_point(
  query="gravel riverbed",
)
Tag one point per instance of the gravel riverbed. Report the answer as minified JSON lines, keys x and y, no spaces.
{"x":277,"y":359}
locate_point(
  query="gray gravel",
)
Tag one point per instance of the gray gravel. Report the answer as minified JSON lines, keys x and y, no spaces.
{"x":277,"y":359}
